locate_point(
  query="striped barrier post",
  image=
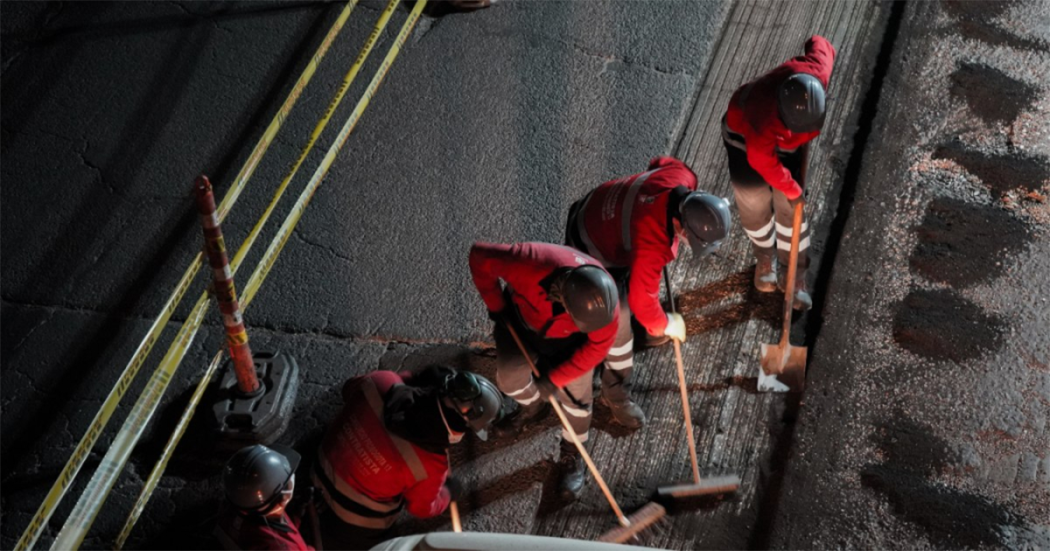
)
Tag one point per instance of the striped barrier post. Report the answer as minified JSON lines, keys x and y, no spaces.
{"x":225,"y":293}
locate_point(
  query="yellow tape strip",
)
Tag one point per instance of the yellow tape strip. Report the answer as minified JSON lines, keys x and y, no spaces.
{"x":80,"y":453}
{"x":169,"y":449}
{"x":266,"y":263}
{"x":87,"y":507}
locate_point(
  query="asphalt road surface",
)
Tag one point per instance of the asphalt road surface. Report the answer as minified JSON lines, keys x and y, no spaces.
{"x":925,"y":419}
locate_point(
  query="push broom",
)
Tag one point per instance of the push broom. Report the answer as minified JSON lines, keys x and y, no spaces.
{"x":700,"y":486}
{"x":629,"y":526}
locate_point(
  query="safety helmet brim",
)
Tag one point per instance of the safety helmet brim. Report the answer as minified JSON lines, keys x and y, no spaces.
{"x":289,"y":453}
{"x":699,"y":246}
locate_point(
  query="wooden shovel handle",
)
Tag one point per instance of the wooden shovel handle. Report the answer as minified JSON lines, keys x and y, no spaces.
{"x":789,"y":289}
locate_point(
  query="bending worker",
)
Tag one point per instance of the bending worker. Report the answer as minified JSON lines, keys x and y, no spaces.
{"x":767,"y":131}
{"x":388,"y":450}
{"x":259,"y":482}
{"x":632,"y":225}
{"x":563,"y":306}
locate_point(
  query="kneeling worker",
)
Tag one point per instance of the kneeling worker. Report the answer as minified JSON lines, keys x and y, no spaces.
{"x":388,"y":450}
{"x":563,"y":306}
{"x":259,"y":481}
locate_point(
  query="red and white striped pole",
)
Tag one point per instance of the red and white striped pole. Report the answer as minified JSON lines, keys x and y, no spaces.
{"x":225,"y":293}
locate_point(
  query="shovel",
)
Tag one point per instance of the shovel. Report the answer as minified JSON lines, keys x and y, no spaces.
{"x":784,"y":365}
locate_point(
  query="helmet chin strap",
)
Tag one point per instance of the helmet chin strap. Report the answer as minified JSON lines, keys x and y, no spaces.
{"x":453,"y":436}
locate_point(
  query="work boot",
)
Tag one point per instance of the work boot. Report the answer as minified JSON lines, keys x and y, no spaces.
{"x":573,"y":472}
{"x":626,"y":413}
{"x":802,"y":299}
{"x":520,"y":417}
{"x":766,"y":274}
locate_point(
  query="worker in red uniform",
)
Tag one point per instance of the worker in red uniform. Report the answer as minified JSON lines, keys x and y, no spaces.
{"x":388,"y":449}
{"x":259,"y":482}
{"x":632,"y":225}
{"x":563,"y":306}
{"x":767,"y":131}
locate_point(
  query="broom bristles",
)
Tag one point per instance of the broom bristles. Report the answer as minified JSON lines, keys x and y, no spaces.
{"x":712,"y":485}
{"x":642,"y":519}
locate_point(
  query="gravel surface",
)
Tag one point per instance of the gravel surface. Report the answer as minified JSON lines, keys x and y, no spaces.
{"x":926,"y":421}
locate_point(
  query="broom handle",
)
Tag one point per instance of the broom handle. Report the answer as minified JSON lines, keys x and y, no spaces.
{"x":457,"y":526}
{"x":688,"y":415}
{"x":575,"y":440}
{"x":789,"y":292}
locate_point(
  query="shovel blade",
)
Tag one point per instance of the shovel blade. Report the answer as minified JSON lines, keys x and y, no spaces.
{"x":783,"y":368}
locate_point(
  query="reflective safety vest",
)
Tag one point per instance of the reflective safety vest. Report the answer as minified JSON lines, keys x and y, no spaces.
{"x":367,"y":474}
{"x":624,"y":223}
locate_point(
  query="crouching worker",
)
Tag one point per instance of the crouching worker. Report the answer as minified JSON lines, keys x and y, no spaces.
{"x":564,"y":307}
{"x":259,"y":481}
{"x":387,"y":450}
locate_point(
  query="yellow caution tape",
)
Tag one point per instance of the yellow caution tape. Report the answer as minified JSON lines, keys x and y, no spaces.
{"x":169,"y":449}
{"x":266,"y":263}
{"x":80,"y":453}
{"x":90,"y":502}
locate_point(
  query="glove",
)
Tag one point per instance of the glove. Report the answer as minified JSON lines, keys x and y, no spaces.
{"x":546,"y":387}
{"x":800,"y":199}
{"x":454,"y":487}
{"x":675,"y":327}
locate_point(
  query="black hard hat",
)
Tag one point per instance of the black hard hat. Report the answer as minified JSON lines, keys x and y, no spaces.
{"x":255,"y":476}
{"x":477,"y":400}
{"x":705,"y":219}
{"x":590,"y":297}
{"x":800,"y":101}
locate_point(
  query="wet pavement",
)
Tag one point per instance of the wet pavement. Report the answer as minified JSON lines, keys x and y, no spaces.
{"x":924,"y":423}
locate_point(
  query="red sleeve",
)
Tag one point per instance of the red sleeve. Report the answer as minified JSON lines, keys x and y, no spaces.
{"x":762,"y":156}
{"x":587,"y":356}
{"x":819,"y":58}
{"x":428,"y":498}
{"x":643,"y":292}
{"x":487,"y":264}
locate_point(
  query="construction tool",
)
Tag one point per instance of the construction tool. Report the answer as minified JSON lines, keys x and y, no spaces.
{"x":700,"y":486}
{"x":453,"y":508}
{"x":784,"y":365}
{"x":629,"y":527}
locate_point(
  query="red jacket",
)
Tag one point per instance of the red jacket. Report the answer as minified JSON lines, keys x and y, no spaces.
{"x":522,"y":267}
{"x":239,"y":531}
{"x":753,"y":114}
{"x":625,"y":225}
{"x":374,"y":467}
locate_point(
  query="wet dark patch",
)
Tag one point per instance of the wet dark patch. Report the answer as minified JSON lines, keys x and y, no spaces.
{"x":752,"y":304}
{"x":913,"y":447}
{"x":952,"y":518}
{"x":991,"y":94}
{"x":962,"y":244}
{"x":975,"y":21}
{"x":1001,"y":173}
{"x":941,"y":325}
{"x":978,"y":12}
